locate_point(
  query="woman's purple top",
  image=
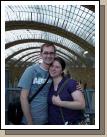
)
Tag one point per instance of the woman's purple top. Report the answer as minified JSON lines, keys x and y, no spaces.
{"x":54,"y":114}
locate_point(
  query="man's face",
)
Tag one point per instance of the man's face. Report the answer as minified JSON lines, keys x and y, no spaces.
{"x":48,"y":55}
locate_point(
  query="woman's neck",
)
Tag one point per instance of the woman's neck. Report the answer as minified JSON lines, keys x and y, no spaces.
{"x":56,"y":81}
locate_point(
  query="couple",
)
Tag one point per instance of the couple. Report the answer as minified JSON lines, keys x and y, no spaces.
{"x":45,"y":107}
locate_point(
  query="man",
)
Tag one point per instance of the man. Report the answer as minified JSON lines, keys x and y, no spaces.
{"x":34,"y":76}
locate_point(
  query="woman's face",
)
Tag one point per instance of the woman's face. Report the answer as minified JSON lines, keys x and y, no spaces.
{"x":55,"y":69}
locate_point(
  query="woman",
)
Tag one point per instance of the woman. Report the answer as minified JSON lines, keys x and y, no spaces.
{"x":67,"y":106}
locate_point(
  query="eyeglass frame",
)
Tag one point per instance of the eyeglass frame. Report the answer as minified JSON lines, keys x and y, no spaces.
{"x":48,"y":53}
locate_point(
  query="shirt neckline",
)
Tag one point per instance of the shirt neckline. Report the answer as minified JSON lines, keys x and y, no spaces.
{"x":59,"y":85}
{"x":42,"y":68}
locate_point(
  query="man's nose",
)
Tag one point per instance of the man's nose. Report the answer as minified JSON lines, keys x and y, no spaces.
{"x":48,"y":55}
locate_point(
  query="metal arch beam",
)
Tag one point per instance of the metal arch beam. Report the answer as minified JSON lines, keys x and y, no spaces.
{"x":17,"y":52}
{"x":25,"y":62}
{"x":31,"y":57}
{"x":90,"y":7}
{"x":28,"y":63}
{"x":30,"y":53}
{"x":23,"y":57}
{"x":65,"y":58}
{"x":32,"y":62}
{"x":11,"y":44}
{"x":45,"y":41}
{"x":37,"y":60}
{"x":38,"y":54}
{"x":62,"y":57}
{"x":13,"y":25}
{"x":34,"y":58}
{"x":20,"y":41}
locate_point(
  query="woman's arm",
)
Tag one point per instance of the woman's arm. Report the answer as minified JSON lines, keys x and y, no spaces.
{"x":25,"y":106}
{"x":77,"y":103}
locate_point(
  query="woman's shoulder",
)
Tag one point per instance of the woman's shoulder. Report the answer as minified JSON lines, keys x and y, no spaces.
{"x":71,"y":85}
{"x":70,"y":80}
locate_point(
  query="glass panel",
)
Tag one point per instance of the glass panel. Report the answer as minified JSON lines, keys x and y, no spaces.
{"x":72,"y":18}
{"x":58,"y":11}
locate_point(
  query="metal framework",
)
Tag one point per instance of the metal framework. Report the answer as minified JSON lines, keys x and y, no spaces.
{"x":70,"y":27}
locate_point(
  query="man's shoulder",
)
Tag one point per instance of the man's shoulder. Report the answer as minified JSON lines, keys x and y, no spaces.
{"x":31,"y":68}
{"x":35,"y":65}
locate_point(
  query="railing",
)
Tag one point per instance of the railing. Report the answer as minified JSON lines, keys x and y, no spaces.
{"x":9,"y":95}
{"x":89,"y":95}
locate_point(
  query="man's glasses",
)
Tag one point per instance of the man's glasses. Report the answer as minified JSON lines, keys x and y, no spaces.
{"x":49,"y":53}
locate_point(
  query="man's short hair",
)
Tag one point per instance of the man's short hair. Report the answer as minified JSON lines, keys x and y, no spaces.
{"x":48,"y":45}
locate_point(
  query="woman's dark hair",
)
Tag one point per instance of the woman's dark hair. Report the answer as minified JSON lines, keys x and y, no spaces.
{"x":61,"y":61}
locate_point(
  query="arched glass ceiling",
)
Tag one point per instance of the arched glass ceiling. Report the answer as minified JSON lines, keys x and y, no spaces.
{"x":19,"y":47}
{"x":72,"y":18}
{"x":15,"y":35}
{"x":26,"y":53}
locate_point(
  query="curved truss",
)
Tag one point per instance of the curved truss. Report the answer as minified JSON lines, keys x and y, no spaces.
{"x":74,"y":24}
{"x":71,"y":18}
{"x":80,"y":59}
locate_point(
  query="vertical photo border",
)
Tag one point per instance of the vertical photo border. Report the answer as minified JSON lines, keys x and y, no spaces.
{"x":102,"y":95}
